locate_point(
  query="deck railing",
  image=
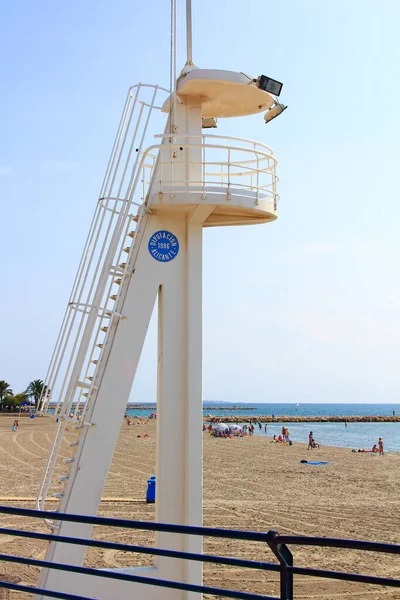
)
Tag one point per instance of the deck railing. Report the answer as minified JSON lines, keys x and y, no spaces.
{"x":279,"y":545}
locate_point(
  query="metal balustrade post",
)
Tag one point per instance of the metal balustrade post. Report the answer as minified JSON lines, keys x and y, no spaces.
{"x":285,"y":558}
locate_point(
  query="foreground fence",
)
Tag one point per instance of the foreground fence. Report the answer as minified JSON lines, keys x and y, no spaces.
{"x":278,"y":544}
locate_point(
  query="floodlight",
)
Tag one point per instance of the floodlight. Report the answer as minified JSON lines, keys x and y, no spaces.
{"x":269,"y":85}
{"x":276,"y":110}
{"x":208,"y":122}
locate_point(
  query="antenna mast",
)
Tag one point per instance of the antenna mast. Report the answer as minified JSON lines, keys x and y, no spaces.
{"x":189,"y":57}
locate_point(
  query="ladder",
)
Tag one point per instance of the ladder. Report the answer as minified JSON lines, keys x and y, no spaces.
{"x":95,"y":305}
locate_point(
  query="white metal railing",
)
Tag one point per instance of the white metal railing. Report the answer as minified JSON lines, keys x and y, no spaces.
{"x":235,"y":166}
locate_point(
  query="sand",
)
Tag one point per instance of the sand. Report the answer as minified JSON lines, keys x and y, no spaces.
{"x":249,"y":483}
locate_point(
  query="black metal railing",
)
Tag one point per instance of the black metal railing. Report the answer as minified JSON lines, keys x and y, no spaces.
{"x":277,"y":543}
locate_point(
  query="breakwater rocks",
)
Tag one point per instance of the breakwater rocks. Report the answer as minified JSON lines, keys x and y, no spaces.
{"x":224,"y":408}
{"x":291,"y":419}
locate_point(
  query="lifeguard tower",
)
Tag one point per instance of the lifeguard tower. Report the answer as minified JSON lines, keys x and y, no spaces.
{"x":145,"y":245}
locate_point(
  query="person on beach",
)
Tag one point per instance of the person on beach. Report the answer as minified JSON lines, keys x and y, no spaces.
{"x":380,"y":446}
{"x":265,"y":428}
{"x":364,"y":450}
{"x":310,"y":440}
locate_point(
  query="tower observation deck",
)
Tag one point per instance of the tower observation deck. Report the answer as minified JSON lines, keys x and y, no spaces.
{"x":234,"y":175}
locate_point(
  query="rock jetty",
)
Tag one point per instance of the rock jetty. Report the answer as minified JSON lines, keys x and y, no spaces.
{"x":229,"y":408}
{"x":302,"y":419}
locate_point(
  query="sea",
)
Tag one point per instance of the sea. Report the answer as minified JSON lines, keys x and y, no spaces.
{"x":355,"y":435}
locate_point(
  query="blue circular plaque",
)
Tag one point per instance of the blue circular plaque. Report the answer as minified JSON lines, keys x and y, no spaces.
{"x":163,"y":246}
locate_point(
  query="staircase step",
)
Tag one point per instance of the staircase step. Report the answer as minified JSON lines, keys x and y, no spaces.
{"x":84,"y":385}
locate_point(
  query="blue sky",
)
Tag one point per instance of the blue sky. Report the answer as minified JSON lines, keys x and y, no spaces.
{"x":305,"y":309}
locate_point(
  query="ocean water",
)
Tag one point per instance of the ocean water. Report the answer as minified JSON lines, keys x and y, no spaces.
{"x":355,"y":435}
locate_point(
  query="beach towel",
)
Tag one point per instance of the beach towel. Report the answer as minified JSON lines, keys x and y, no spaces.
{"x":314,"y":462}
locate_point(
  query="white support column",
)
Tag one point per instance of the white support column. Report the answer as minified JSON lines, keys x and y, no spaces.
{"x":179,"y":422}
{"x":179,"y":437}
{"x":194,"y":408}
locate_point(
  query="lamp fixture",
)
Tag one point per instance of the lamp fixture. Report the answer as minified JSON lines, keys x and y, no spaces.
{"x":208,"y":122}
{"x":276,"y":110}
{"x":269,"y":85}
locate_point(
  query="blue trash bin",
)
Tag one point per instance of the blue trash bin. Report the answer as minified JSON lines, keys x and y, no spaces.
{"x":32,"y":416}
{"x":151,"y":489}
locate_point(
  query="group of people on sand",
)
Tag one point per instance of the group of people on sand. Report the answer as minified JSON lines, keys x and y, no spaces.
{"x":376,"y":448}
{"x":142,"y":421}
{"x":311,"y":442}
{"x":129,"y":421}
{"x":227,"y":432}
{"x":249,"y":428}
{"x":246,"y":430}
{"x":283,"y":438}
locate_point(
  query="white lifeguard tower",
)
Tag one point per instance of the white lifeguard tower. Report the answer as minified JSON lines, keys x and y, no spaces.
{"x":145,"y":245}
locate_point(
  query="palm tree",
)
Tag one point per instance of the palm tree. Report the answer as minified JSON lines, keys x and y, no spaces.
{"x":16,"y":400}
{"x":35,"y":389}
{"x":5,"y":391}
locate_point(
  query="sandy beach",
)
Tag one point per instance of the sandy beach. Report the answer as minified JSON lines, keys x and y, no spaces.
{"x":249,"y":483}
